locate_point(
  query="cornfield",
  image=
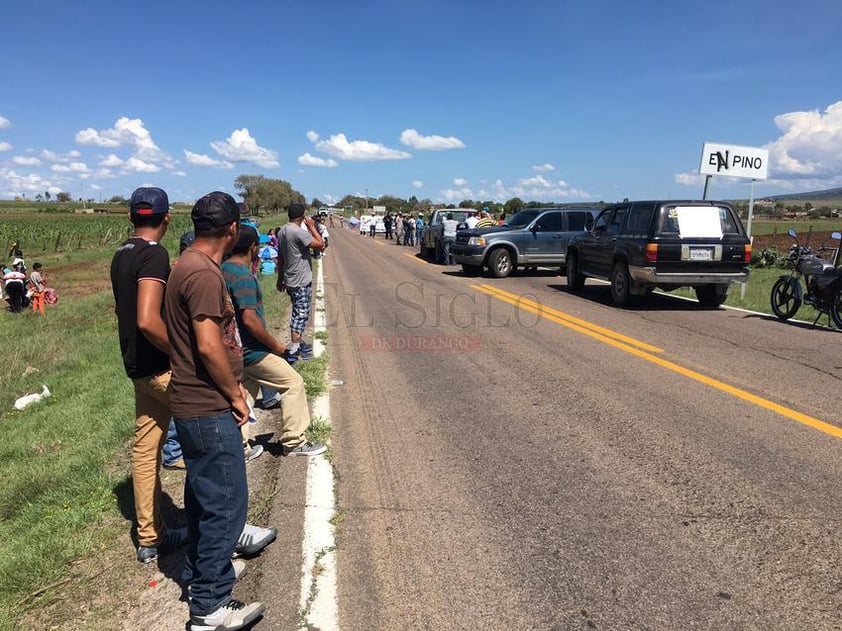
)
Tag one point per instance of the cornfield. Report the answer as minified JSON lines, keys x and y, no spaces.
{"x":39,"y":234}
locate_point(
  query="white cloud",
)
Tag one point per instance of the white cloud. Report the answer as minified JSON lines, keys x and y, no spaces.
{"x":96,"y":187}
{"x":52,"y":156}
{"x":452,"y":195}
{"x":459,"y":181}
{"x":314,"y":161}
{"x":241,"y":147}
{"x":29,"y":162}
{"x":112,"y":161}
{"x":202,"y":160}
{"x":536,"y":180}
{"x":5,"y":146}
{"x":690,"y":179}
{"x":140,"y":166}
{"x":179,"y":173}
{"x":411,"y":138}
{"x":340,"y":147}
{"x":418,"y":184}
{"x":126,"y":131}
{"x":5,"y":122}
{"x":543,"y":167}
{"x":811,"y":144}
{"x":73,"y":167}
{"x":13,"y":183}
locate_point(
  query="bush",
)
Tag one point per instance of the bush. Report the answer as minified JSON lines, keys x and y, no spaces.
{"x":766,"y":257}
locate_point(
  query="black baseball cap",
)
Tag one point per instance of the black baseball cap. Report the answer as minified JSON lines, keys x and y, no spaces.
{"x":149,"y":200}
{"x":214,"y":210}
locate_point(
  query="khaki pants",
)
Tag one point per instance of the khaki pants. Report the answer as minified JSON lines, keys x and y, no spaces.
{"x":274,"y":371}
{"x":152,"y":411}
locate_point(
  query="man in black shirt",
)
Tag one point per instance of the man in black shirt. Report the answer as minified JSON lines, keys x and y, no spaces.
{"x":139,"y":272}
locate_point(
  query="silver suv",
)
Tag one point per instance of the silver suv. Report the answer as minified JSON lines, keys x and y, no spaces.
{"x":532,"y":237}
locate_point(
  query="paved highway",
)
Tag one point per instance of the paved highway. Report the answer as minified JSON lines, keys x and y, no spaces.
{"x":512,"y":456}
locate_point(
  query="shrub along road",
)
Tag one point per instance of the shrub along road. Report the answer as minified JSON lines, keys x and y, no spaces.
{"x":510,"y":455}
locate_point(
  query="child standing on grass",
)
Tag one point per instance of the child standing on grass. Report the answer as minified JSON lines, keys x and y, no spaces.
{"x":39,"y":284}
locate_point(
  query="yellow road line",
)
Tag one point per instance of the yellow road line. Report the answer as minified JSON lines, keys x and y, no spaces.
{"x":564,"y":318}
{"x":786,"y":412}
{"x":416,"y":259}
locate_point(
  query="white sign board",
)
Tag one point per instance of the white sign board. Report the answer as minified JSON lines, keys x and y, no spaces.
{"x":734,"y":161}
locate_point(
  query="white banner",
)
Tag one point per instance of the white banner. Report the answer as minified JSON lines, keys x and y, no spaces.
{"x":734,"y":161}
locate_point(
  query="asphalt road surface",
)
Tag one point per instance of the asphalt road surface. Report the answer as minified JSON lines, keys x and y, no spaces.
{"x":513,"y":456}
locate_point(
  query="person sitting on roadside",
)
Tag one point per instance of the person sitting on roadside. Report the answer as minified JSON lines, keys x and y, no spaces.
{"x":263,"y":354}
{"x":14,"y":282}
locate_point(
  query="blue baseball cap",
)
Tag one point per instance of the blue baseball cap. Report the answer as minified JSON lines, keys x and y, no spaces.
{"x":149,"y":200}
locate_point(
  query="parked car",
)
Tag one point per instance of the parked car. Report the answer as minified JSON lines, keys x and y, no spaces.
{"x":536,"y":236}
{"x":640,"y":246}
{"x":431,"y":237}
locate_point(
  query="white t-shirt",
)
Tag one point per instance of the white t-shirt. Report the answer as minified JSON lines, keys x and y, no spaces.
{"x":449,"y":227}
{"x":471,"y":221}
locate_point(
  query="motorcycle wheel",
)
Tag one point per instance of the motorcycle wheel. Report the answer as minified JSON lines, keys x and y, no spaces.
{"x":786,"y":297}
{"x":836,"y":309}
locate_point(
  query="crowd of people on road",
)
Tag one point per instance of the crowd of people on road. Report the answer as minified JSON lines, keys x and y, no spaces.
{"x":195,"y":344}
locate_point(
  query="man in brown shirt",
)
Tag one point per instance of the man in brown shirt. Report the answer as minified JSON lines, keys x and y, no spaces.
{"x":208,"y":405}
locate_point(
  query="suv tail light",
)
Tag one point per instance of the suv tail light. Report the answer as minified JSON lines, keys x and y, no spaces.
{"x":651,"y":252}
{"x":747,"y":254}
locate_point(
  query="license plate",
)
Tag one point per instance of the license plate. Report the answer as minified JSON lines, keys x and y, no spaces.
{"x":701,"y":254}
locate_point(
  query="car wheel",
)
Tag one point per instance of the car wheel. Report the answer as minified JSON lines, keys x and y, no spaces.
{"x":500,"y":263}
{"x":620,"y":284}
{"x":711,"y":296}
{"x":575,"y":281}
{"x":785,"y":297}
{"x":472,"y":270}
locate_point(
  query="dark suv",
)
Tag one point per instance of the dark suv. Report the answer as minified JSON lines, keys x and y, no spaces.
{"x":638,"y":246}
{"x":531,"y":237}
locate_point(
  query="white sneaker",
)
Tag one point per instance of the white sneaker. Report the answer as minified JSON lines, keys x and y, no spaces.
{"x":234,"y":615}
{"x":253,"y":539}
{"x":240,"y":568}
{"x":253,"y":452}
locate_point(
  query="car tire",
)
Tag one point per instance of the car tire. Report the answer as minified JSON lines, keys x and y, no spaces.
{"x":711,"y":296}
{"x":472,"y":270}
{"x":575,"y":280}
{"x":785,"y":297}
{"x":620,"y":284}
{"x":500,"y":263}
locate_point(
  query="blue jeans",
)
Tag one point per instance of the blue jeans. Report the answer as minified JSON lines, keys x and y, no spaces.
{"x":172,"y":448}
{"x":216,"y":501}
{"x":447,"y":243}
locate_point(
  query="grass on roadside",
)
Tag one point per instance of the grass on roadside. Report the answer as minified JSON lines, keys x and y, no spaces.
{"x":65,"y":488}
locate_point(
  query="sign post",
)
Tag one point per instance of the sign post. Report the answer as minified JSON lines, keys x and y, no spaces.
{"x":735,"y":161}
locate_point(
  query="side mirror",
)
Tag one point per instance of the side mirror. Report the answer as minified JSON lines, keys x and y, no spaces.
{"x":791,"y":232}
{"x":589,"y":222}
{"x":535,"y":228}
{"x":836,"y":235}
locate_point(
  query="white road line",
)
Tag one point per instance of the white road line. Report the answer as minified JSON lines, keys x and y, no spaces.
{"x":319,"y":600}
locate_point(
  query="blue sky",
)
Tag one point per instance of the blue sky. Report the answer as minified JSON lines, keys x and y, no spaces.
{"x":446,"y":100}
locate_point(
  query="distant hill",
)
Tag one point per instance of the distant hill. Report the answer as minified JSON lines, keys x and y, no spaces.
{"x":828,"y":194}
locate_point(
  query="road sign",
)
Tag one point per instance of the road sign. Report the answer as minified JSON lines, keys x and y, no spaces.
{"x":734,"y":161}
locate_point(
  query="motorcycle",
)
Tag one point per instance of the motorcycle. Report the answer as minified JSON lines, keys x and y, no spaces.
{"x":822,"y":279}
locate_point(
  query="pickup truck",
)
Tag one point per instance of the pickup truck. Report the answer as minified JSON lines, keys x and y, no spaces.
{"x":431,"y":237}
{"x":531,"y":237}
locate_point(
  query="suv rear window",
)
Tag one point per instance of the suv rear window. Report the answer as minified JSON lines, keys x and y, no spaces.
{"x":698,"y":221}
{"x":577,"y":221}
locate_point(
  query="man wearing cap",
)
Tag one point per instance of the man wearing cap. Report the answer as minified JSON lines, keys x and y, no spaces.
{"x":139,"y":273}
{"x":208,"y":404}
{"x":262,"y":353}
{"x":295,"y":239}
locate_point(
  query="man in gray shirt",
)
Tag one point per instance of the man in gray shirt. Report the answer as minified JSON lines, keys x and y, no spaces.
{"x":295,"y":240}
